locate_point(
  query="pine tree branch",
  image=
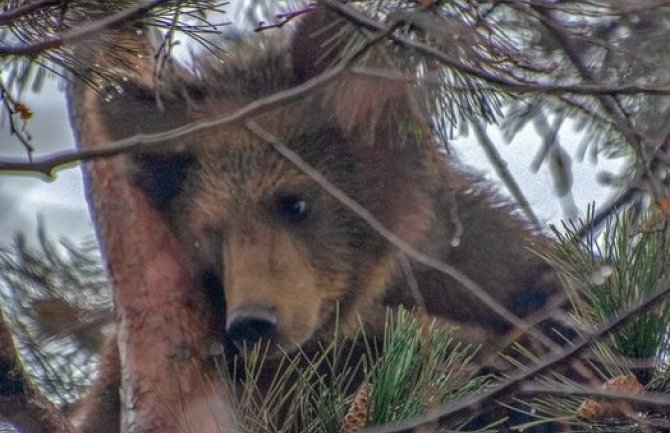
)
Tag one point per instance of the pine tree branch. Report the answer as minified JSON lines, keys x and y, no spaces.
{"x":620,"y":201}
{"x":658,"y":162}
{"x":466,"y":407}
{"x":21,"y":403}
{"x":647,"y":399}
{"x":46,"y":166}
{"x":611,"y":104}
{"x":8,"y":16}
{"x":79,"y":33}
{"x":514,"y":86}
{"x":582,"y":89}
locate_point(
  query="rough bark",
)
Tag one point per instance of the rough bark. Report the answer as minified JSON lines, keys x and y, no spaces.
{"x":162,"y":320}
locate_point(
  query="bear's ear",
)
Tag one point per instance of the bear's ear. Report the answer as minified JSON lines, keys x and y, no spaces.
{"x":318,"y":43}
{"x":376,"y":108}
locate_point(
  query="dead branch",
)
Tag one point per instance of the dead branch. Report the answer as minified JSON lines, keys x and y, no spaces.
{"x":14,"y":108}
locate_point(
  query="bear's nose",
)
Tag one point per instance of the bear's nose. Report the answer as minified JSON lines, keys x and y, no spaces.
{"x":249,"y":323}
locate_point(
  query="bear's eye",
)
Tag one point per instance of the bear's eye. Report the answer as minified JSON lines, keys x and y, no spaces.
{"x":293,"y":208}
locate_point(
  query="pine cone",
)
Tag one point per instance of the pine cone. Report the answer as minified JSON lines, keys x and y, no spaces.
{"x":357,"y":416}
{"x":599,"y":409}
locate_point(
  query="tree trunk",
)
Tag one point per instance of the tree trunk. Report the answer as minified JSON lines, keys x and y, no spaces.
{"x":163,"y":320}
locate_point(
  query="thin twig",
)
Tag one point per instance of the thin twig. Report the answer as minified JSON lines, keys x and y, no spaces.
{"x":594,"y":223}
{"x":13,"y":108}
{"x":283,"y":19}
{"x":500,"y":167}
{"x":413,"y":284}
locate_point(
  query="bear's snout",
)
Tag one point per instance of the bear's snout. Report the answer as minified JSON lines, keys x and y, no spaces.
{"x":250,"y":323}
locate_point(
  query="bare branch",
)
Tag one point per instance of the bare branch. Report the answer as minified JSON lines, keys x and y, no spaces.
{"x":13,"y":107}
{"x":621,"y":200}
{"x":282,"y":19}
{"x":503,"y":172}
{"x":584,"y":89}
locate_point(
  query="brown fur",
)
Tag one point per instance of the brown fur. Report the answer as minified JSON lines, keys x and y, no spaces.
{"x":224,"y":191}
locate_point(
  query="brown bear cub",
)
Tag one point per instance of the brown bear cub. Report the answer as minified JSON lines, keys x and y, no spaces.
{"x":284,"y":253}
{"x":284,"y":250}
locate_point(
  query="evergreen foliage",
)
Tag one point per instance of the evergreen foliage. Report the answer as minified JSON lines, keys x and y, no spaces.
{"x":55,"y":19}
{"x":56,"y":298}
{"x":419,"y":366}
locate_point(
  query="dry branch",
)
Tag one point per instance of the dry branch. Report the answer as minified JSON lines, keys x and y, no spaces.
{"x":500,"y":166}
